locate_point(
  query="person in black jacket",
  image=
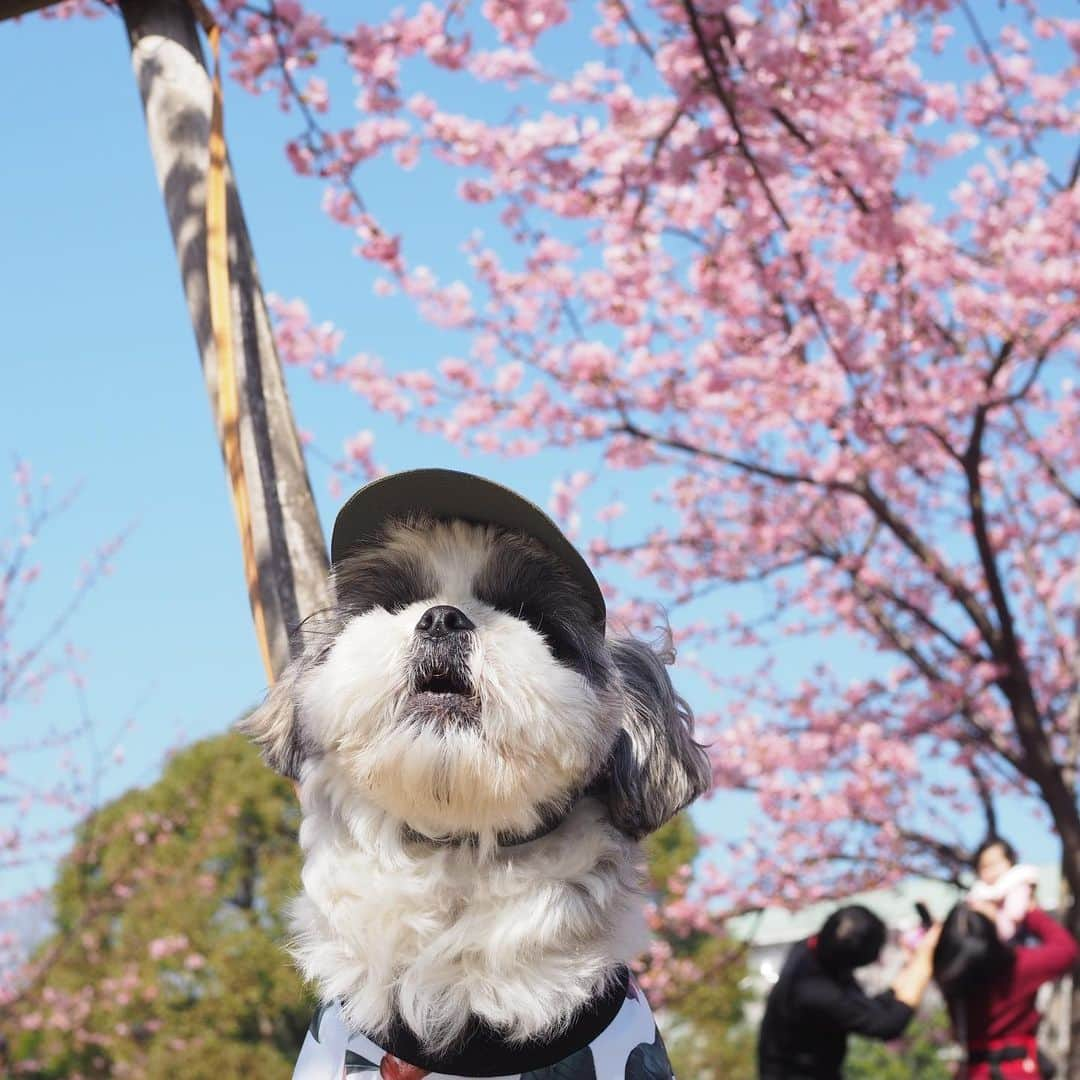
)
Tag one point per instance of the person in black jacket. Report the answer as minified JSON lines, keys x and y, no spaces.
{"x":816,"y":1003}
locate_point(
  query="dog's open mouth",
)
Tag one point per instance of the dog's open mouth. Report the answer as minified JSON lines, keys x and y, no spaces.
{"x":444,"y":682}
{"x":443,"y":694}
{"x":444,"y":699}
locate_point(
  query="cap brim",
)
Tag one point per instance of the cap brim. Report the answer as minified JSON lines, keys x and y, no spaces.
{"x":447,"y":494}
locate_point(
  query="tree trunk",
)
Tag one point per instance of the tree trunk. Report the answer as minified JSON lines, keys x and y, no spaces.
{"x":13,"y":9}
{"x":176,"y":90}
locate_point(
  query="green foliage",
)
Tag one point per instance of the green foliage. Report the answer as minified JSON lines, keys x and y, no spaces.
{"x":669,"y":848}
{"x":703,"y":1015}
{"x":167,"y":957}
{"x":705,"y":1028}
{"x":917,"y":1056}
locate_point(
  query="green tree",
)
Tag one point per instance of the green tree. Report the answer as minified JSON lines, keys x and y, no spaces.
{"x":917,"y":1056}
{"x":704,"y":994}
{"x":166,"y":958}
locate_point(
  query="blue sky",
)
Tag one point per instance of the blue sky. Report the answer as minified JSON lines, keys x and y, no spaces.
{"x":102,"y":385}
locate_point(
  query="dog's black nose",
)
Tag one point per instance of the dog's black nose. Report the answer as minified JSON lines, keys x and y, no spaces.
{"x":442,"y":620}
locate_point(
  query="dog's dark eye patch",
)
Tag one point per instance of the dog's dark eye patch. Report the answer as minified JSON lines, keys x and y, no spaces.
{"x":547,"y":626}
{"x":382,"y":577}
{"x":520,"y":581}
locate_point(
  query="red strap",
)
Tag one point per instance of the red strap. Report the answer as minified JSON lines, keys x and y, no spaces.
{"x":392,"y":1068}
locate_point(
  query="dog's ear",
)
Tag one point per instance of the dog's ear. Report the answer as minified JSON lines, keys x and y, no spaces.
{"x":655,"y":768}
{"x":274,"y":726}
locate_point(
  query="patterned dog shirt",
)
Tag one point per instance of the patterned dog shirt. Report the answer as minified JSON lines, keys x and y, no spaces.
{"x":616,"y":1038}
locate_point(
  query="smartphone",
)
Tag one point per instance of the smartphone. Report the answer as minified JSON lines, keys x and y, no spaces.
{"x":925,"y":917}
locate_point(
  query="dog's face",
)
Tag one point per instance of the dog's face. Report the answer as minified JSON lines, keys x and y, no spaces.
{"x":467,"y":686}
{"x":463,"y":683}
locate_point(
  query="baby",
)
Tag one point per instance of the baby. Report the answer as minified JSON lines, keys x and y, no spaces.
{"x":1003,"y":883}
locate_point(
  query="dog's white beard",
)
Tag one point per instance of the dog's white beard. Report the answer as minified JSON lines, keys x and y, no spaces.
{"x":520,"y":938}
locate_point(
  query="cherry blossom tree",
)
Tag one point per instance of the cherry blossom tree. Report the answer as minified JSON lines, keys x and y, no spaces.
{"x":53,"y":757}
{"x":823,"y":297}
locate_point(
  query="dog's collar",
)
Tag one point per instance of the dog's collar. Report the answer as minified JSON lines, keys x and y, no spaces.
{"x":549,"y":822}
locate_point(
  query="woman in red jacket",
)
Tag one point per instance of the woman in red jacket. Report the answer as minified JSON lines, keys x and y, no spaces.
{"x":990,"y":987}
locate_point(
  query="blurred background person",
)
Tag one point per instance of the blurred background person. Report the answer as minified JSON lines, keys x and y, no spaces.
{"x":1006,"y":883}
{"x":817,"y":1002}
{"x":990,"y":987}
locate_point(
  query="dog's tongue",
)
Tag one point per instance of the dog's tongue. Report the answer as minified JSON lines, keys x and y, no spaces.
{"x":392,"y":1068}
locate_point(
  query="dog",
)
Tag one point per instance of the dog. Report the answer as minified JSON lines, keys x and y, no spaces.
{"x":476,"y":762}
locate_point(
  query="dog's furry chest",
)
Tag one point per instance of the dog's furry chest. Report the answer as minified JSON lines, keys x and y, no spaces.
{"x":518,"y":937}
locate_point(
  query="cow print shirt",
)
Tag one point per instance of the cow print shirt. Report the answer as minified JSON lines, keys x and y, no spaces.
{"x":615,"y":1039}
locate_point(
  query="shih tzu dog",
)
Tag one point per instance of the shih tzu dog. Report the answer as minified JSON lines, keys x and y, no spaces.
{"x":476,"y":762}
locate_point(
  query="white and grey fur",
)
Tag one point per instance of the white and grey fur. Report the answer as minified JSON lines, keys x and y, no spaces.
{"x":418,"y":756}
